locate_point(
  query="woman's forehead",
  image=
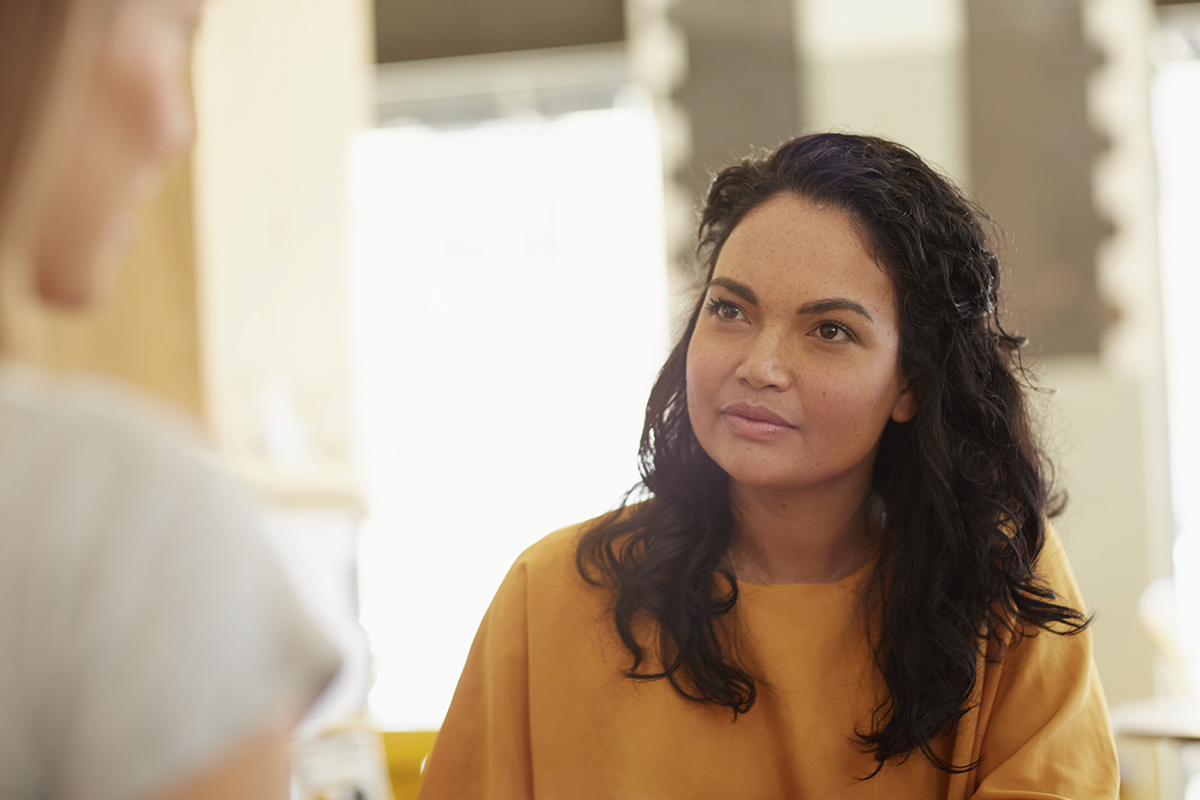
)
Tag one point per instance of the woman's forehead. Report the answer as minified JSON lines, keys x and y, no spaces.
{"x":790,"y":246}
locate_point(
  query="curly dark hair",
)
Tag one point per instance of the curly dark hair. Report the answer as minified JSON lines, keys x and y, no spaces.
{"x":965,"y":484}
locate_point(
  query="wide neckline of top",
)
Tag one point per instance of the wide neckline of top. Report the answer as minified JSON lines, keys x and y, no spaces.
{"x":847,"y":581}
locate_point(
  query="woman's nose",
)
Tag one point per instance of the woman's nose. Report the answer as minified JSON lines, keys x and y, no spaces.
{"x":764,"y":366}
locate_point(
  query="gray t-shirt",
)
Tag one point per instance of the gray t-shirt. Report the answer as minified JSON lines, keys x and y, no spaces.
{"x":146,"y":627}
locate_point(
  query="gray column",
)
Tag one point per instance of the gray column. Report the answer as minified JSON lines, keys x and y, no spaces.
{"x":740,"y":91}
{"x":1032,"y":149}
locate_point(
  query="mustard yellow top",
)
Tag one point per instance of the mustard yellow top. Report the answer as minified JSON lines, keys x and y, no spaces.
{"x":543,"y":711}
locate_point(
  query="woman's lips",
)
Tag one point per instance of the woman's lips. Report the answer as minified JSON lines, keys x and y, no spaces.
{"x":755,"y":422}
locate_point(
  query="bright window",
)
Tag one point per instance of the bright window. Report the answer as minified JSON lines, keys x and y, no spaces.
{"x":1176,"y":132}
{"x":510,"y":314}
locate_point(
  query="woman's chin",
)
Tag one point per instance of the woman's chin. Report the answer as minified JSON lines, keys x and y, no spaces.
{"x":81,"y":278}
{"x":78,"y":288}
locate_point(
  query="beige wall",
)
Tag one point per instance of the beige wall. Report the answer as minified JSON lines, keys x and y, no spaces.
{"x":281,"y":89}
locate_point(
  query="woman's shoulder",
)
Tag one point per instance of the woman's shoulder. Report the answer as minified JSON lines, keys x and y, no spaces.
{"x":1053,"y":569}
{"x":55,"y":429}
{"x":140,"y":563}
{"x":86,"y":463}
{"x":48,"y":402}
{"x":562,"y":546}
{"x":550,"y":567}
{"x":555,"y":550}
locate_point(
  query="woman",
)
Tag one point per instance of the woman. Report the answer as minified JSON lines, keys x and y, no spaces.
{"x":149,"y":644}
{"x":842,"y":583}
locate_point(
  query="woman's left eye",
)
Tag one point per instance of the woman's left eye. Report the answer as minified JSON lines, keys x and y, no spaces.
{"x":833,"y":332}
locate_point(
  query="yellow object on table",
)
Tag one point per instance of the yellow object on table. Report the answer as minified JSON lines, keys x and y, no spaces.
{"x":406,"y":752}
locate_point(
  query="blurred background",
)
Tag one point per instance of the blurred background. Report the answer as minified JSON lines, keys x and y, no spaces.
{"x":421,"y":268}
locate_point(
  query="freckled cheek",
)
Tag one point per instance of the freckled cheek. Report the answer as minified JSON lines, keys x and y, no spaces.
{"x":703,"y":385}
{"x":859,"y":413}
{"x":708,"y":368}
{"x":694,"y":391}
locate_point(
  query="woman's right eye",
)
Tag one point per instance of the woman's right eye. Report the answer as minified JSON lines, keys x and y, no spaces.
{"x":723,"y":309}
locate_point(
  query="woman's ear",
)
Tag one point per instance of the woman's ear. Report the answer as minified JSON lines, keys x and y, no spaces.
{"x":905,"y":407}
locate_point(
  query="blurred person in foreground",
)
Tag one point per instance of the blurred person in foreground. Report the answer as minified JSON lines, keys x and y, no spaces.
{"x":841,"y":581}
{"x":150,"y":646}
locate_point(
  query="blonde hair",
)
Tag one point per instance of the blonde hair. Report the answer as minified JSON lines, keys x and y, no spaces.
{"x":45,"y":49}
{"x":45,"y":46}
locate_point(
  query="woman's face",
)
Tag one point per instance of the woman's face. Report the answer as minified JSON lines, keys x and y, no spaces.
{"x":136,"y":114}
{"x":793,"y":369}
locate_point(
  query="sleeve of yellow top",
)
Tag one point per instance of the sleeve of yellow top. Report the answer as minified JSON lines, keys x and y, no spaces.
{"x":482,"y":750}
{"x":1048,"y":734}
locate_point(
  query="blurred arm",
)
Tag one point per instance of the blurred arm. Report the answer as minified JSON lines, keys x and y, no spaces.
{"x":255,"y":770}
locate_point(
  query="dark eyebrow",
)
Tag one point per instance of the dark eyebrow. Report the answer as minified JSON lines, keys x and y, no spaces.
{"x":815,"y":307}
{"x":834,"y":304}
{"x":737,"y":287}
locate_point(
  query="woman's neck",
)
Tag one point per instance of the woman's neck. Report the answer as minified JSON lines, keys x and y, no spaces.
{"x":786,"y":537}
